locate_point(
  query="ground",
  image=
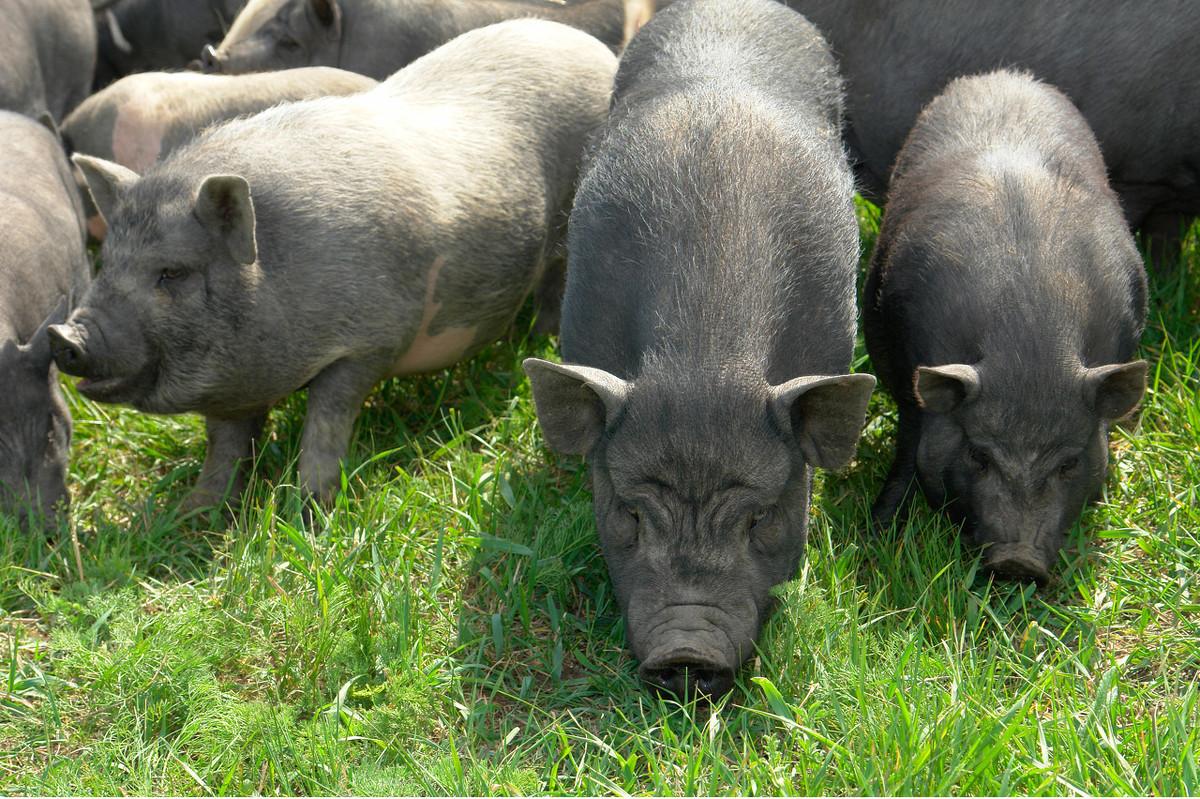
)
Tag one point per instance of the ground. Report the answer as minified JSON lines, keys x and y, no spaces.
{"x":448,"y":627}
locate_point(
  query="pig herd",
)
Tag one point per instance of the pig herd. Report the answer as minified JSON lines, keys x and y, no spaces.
{"x":344,"y":191}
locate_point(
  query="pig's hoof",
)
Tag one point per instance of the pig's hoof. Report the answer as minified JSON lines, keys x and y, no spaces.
{"x":201,"y":499}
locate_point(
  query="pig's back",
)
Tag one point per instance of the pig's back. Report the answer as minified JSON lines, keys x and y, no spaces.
{"x":43,"y":256}
{"x":143,"y":117}
{"x":1013,"y":243}
{"x":714,"y":222}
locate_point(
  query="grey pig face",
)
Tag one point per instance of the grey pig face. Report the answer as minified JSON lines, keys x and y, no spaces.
{"x":1019,"y":473}
{"x":279,"y":34}
{"x":177,"y":279}
{"x":701,"y":496}
{"x":35,"y":429}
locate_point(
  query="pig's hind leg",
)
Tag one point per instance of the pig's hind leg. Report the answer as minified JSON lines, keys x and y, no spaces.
{"x":335,"y":397}
{"x":897,"y":492}
{"x":231,"y":445}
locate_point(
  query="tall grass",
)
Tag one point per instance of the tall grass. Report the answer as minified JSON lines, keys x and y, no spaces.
{"x":448,"y":626}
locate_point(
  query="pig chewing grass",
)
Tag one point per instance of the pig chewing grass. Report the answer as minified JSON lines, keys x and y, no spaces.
{"x":448,"y":626}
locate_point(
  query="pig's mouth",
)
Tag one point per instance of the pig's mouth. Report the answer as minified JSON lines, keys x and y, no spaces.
{"x":118,"y":388}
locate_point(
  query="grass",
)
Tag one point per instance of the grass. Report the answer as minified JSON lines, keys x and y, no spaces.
{"x":448,"y":627}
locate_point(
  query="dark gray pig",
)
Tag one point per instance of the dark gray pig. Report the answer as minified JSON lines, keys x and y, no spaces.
{"x":335,"y":242}
{"x":140,"y":119}
{"x":47,"y":54}
{"x":1004,"y":302}
{"x":1131,"y":68}
{"x":42,"y":263}
{"x":378,"y":37}
{"x":151,"y":35}
{"x":708,"y":327}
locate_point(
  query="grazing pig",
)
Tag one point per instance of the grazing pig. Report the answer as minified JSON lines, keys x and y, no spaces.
{"x":1131,"y":68}
{"x":140,"y":119}
{"x":152,"y":35}
{"x":1004,"y":302}
{"x":335,"y":242}
{"x":708,"y":327}
{"x":378,"y":37}
{"x":47,"y":54}
{"x":42,"y":263}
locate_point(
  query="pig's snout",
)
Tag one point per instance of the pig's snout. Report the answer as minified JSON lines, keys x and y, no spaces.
{"x":1018,"y":561}
{"x":210,"y":60}
{"x":689,"y":651}
{"x":687,"y":674}
{"x":68,"y":350}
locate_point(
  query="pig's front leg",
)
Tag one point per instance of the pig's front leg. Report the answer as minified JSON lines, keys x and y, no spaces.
{"x":335,"y":397}
{"x":231,"y":445}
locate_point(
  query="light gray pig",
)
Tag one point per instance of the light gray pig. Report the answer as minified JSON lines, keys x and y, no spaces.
{"x":708,"y":327}
{"x":1004,"y":303}
{"x":140,"y":119}
{"x":332,"y":243}
{"x":47,"y":54}
{"x":42,"y":263}
{"x":1131,"y":68}
{"x":378,"y":37}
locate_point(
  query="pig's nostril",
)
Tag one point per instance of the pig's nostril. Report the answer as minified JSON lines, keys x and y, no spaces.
{"x":67,"y":353}
{"x":209,"y":61}
{"x":1017,"y":562}
{"x":690,"y":679}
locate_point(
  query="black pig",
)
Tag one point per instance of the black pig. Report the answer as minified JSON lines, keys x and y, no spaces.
{"x":708,"y":327}
{"x":1004,"y":303}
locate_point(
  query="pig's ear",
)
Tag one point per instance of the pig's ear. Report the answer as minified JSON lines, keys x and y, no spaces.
{"x":1113,"y":391}
{"x":329,"y":14}
{"x":825,"y":415}
{"x":574,"y":403}
{"x":106,"y":181}
{"x":223,"y":205}
{"x":941,"y":389}
{"x":36,"y":352}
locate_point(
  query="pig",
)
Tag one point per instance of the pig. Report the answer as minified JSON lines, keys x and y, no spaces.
{"x":47,"y":55}
{"x":378,"y":37}
{"x":43,"y":264}
{"x":153,"y":35}
{"x":708,"y":327}
{"x":140,"y":119}
{"x":1127,"y":66}
{"x":335,"y":242}
{"x":1004,"y":304}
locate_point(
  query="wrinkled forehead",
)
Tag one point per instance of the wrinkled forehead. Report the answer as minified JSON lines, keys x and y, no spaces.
{"x":698,"y":443}
{"x":153,"y":217}
{"x":1032,"y":421}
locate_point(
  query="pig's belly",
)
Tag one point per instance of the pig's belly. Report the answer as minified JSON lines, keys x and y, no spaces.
{"x":431,"y":351}
{"x":440,"y":350}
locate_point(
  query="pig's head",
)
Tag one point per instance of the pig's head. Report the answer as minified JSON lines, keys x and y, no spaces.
{"x":1017,"y":456}
{"x":177,"y":284}
{"x":35,"y":429}
{"x":701,"y":491}
{"x":278,"y":34}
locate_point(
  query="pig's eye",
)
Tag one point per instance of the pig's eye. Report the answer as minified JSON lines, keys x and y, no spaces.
{"x":979,"y":458}
{"x":169,"y":274}
{"x":288,"y":43}
{"x":1068,"y":466}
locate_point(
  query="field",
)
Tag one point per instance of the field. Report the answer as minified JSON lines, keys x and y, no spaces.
{"x":448,"y":626}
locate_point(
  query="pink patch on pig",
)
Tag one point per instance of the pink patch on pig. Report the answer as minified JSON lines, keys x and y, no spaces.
{"x":96,"y":228}
{"x":438,"y":351}
{"x":137,"y":137}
